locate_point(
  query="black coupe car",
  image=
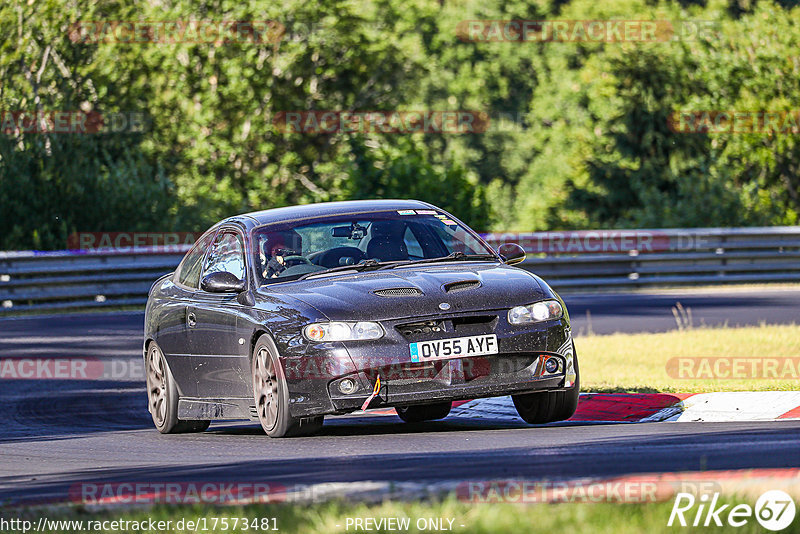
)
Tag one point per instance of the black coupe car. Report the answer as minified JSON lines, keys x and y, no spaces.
{"x":287,"y":315}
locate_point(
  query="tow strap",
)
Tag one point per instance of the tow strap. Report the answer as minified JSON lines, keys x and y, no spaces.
{"x":375,"y":391}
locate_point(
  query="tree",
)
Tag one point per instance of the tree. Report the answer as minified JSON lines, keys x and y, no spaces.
{"x":401,"y":170}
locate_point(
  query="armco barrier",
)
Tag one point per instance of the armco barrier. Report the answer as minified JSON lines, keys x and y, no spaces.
{"x":636,"y":258}
{"x":78,"y":279}
{"x":568,"y":260}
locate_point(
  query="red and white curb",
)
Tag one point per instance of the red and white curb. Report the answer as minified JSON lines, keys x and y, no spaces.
{"x":647,"y":407}
{"x":656,"y":407}
{"x":734,"y":406}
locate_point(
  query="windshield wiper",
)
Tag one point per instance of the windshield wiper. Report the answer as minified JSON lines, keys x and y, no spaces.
{"x":363,"y":265}
{"x":450,"y":257}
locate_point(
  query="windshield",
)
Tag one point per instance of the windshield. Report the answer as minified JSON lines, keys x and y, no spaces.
{"x":289,"y":250}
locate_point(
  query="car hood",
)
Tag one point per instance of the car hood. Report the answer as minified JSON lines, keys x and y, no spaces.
{"x":352,"y":296}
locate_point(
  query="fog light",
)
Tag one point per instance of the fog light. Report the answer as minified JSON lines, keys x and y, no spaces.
{"x":348,"y":386}
{"x":551,"y":365}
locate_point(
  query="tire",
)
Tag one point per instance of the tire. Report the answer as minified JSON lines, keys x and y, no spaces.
{"x":424,"y":412}
{"x":271,"y":395}
{"x":162,"y":396}
{"x":549,"y":406}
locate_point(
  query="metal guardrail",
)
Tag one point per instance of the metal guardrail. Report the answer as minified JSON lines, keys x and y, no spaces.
{"x":672,"y":257}
{"x":79,"y":279}
{"x":32,"y":281}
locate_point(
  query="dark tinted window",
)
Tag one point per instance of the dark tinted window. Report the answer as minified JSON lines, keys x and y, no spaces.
{"x":189,"y":269}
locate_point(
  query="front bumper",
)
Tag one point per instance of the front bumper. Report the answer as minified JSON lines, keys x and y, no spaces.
{"x":450,"y":385}
{"x":315,"y":373}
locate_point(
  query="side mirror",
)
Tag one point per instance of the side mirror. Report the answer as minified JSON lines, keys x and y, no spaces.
{"x":511,"y":253}
{"x":222,"y":282}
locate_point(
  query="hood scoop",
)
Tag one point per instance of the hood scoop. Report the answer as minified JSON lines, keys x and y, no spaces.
{"x":398,"y":292}
{"x":463,"y":285}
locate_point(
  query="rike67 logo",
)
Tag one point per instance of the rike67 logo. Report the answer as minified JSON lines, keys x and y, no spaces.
{"x":774,"y":510}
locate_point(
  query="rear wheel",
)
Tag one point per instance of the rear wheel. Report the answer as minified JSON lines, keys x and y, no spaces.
{"x":162,"y":396}
{"x":549,"y":406}
{"x":271,"y":395}
{"x":424,"y":412}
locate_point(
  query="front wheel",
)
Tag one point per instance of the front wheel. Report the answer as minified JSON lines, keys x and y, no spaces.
{"x":162,"y":396}
{"x":424,"y":412}
{"x":271,"y":395}
{"x":549,"y":406}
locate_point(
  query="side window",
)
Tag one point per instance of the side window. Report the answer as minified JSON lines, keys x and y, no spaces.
{"x":227,"y":255}
{"x":189,"y":269}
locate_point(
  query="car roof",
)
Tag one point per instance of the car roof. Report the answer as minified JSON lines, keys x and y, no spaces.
{"x":322,"y":209}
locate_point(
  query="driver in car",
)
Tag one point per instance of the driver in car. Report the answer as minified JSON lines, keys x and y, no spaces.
{"x":276,"y":250}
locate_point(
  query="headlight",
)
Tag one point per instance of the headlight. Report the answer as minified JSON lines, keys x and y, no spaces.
{"x":340,"y":331}
{"x":534,"y":313}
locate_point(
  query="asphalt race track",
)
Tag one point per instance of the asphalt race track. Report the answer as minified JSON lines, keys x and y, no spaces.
{"x":55,"y":434}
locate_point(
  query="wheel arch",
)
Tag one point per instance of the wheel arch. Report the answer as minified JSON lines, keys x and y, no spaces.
{"x":146,"y":347}
{"x":257,"y":333}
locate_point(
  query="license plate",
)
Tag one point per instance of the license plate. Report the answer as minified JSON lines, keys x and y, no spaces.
{"x":457,"y":347}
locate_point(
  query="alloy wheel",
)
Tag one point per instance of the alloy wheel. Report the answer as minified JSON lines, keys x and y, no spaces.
{"x":157,"y":385}
{"x":266,"y":389}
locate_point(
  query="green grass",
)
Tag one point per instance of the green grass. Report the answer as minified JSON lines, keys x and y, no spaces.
{"x":638,"y":362}
{"x":332,"y":517}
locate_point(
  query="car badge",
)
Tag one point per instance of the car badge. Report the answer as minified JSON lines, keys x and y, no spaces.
{"x":444,"y":306}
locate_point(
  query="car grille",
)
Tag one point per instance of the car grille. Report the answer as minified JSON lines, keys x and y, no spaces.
{"x":476,"y":370}
{"x":466,"y":325}
{"x":399,"y":292}
{"x":399,"y":374}
{"x":497,"y":365}
{"x":413,"y":330}
{"x":478,"y":323}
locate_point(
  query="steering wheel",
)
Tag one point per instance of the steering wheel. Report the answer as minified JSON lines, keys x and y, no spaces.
{"x":332,"y":257}
{"x":291,"y":261}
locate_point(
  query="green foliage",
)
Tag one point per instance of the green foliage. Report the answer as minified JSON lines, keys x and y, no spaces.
{"x":635,"y":171}
{"x":52,"y":187}
{"x":53,"y":184}
{"x":578,"y":135}
{"x":403,"y":171}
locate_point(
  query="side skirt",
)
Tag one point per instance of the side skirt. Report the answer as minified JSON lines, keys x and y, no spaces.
{"x":216,"y":409}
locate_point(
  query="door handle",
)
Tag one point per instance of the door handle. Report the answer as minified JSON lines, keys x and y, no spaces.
{"x":191,"y":320}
